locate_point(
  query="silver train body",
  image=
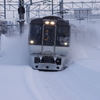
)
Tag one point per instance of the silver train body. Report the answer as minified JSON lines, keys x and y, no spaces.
{"x":49,"y":40}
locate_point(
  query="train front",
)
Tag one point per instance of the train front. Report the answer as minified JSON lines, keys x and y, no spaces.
{"x":48,"y":43}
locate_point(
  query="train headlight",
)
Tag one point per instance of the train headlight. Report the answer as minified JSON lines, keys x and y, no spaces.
{"x":52,"y":23}
{"x":47,"y":22}
{"x":65,"y":43}
{"x":31,"y":42}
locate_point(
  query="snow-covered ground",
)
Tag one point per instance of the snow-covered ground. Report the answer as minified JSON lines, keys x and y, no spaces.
{"x":80,"y":81}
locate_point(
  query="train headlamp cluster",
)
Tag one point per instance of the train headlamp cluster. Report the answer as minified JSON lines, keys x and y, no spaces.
{"x":65,"y":43}
{"x":50,"y":22}
{"x":31,"y":41}
{"x":47,"y":22}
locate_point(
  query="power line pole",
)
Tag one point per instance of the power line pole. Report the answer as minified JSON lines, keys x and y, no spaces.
{"x":4,"y":9}
{"x":27,"y":13}
{"x":30,"y":2}
{"x":21,"y":12}
{"x":61,"y":8}
{"x":52,"y":7}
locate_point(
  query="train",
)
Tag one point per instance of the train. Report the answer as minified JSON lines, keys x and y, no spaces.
{"x":3,"y":26}
{"x":48,"y":42}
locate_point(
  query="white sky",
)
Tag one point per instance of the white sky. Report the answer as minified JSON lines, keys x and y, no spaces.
{"x":57,"y":0}
{"x":51,"y":0}
{"x":66,"y":0}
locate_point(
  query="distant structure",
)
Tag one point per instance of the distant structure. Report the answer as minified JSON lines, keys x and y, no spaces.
{"x":82,"y":13}
{"x":89,"y":9}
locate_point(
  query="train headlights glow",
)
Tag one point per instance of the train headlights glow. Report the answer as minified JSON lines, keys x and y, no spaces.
{"x":31,"y":41}
{"x":65,"y":43}
{"x":52,"y":23}
{"x":47,"y":22}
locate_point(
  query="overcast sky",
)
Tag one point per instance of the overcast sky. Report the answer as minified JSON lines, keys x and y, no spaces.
{"x":66,"y":0}
{"x":63,"y":0}
{"x":51,"y":0}
{"x":55,"y":0}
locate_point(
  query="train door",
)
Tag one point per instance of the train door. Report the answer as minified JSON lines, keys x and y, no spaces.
{"x":48,"y":38}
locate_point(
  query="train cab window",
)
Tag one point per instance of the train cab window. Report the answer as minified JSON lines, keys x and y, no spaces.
{"x":62,"y":37}
{"x":49,"y":34}
{"x":36,"y":33}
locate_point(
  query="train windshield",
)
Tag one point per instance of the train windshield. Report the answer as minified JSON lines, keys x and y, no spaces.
{"x":48,"y":35}
{"x":36,"y":33}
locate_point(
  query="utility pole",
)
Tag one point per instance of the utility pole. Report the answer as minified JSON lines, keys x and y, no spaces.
{"x":27,"y":13}
{"x":52,"y":7}
{"x":4,"y":9}
{"x":21,"y":12}
{"x":61,"y":8}
{"x":30,"y":2}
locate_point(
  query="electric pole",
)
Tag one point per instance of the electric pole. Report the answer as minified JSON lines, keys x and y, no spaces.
{"x":21,"y":12}
{"x":4,"y":9}
{"x":61,"y":8}
{"x":52,"y":7}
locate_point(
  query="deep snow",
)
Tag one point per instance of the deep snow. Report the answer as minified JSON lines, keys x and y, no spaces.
{"x":80,"y":81}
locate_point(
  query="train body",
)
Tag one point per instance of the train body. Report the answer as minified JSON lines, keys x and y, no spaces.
{"x":48,"y":40}
{"x":3,"y":26}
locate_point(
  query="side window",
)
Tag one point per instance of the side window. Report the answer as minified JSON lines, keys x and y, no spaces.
{"x":63,"y":30}
{"x":36,"y":33}
{"x":62,"y":35}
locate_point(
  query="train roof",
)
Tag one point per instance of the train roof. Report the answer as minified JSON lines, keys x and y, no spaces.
{"x":46,"y":17}
{"x":52,"y":17}
{"x":40,"y":20}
